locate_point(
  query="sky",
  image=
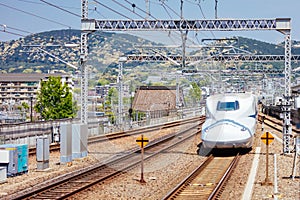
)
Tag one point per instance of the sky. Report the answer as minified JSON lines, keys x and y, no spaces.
{"x":19,"y":18}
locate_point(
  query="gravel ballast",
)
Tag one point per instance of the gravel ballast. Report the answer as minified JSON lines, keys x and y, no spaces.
{"x":165,"y":171}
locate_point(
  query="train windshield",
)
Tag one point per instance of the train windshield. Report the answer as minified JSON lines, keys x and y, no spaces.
{"x":228,"y":106}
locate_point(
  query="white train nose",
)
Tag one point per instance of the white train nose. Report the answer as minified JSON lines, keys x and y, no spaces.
{"x":226,"y":135}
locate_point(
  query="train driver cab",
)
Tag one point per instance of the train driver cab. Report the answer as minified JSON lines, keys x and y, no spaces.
{"x":228,"y":106}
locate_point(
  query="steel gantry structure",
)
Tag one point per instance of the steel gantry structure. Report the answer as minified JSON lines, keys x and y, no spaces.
{"x":282,"y":25}
{"x":222,"y":57}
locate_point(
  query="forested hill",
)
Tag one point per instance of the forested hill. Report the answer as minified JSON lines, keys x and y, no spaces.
{"x":105,"y":48}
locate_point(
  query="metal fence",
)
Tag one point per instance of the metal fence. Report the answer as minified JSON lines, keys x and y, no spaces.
{"x":27,"y":132}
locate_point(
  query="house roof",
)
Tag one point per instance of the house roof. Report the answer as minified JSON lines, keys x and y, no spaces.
{"x":152,"y":98}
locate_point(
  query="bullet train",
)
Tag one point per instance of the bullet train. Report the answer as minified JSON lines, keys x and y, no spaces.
{"x":230,"y":121}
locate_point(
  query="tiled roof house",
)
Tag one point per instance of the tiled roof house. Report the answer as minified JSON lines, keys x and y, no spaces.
{"x":156,"y":98}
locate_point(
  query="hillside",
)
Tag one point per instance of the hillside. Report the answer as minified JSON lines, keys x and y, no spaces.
{"x":105,"y":48}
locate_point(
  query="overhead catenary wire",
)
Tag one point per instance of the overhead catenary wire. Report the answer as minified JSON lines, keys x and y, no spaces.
{"x":166,"y":10}
{"x":126,"y":8}
{"x":9,"y":32}
{"x":60,"y":8}
{"x":34,"y":2}
{"x":96,"y":11}
{"x":113,"y":10}
{"x":16,"y":29}
{"x":198,"y":4}
{"x":142,"y":17}
{"x":149,"y":14}
{"x":201,"y":10}
{"x":163,"y":3}
{"x":40,"y":17}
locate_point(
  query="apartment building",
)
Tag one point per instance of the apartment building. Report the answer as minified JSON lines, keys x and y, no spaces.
{"x":18,"y":88}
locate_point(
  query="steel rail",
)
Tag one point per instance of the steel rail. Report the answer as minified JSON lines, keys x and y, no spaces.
{"x":273,"y":122}
{"x":220,"y":187}
{"x":188,"y":189}
{"x":117,"y":135}
{"x":72,"y":183}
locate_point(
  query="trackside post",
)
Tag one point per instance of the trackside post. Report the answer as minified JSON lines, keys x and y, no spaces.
{"x":267,"y":138}
{"x":142,"y":142}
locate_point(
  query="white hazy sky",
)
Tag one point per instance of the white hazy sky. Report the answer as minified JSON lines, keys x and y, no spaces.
{"x":33,"y":16}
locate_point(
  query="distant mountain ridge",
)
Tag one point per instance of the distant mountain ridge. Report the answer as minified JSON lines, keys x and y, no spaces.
{"x":105,"y":48}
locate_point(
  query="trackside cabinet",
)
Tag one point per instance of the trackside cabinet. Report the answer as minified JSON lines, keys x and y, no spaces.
{"x":3,"y":175}
{"x":22,"y":158}
{"x":4,"y":161}
{"x":42,"y":153}
{"x":18,"y":158}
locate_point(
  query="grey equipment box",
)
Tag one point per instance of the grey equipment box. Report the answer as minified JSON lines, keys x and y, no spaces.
{"x":79,"y":140}
{"x":65,"y":143}
{"x":42,"y":153}
{"x":3,"y":175}
{"x":18,"y":158}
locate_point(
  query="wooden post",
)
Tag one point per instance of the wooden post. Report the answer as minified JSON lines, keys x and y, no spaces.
{"x":142,"y":166}
{"x":142,"y":142}
{"x":267,"y":138}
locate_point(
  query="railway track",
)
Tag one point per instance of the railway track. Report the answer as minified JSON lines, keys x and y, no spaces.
{"x":207,"y":181}
{"x":75,"y":182}
{"x":275,"y":123}
{"x":117,"y":135}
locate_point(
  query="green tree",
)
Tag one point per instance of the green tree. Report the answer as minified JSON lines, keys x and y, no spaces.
{"x":113,"y":95}
{"x":195,"y":93}
{"x":54,"y":100}
{"x":103,"y":81}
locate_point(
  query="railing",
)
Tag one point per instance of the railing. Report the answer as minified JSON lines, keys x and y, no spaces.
{"x":27,"y":132}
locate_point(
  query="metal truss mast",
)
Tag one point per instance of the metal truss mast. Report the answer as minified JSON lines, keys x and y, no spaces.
{"x":282,"y":25}
{"x":83,"y":59}
{"x":223,"y":57}
{"x":182,"y":24}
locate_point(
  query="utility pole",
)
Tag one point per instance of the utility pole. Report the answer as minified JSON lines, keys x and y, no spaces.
{"x":177,"y":89}
{"x":216,"y":9}
{"x":120,"y":88}
{"x":147,"y":8}
{"x":83,"y":59}
{"x":183,"y":35}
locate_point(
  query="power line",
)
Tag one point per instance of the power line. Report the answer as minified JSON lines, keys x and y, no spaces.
{"x":96,"y":11}
{"x":16,"y":29}
{"x":27,"y":1}
{"x":112,"y":10}
{"x":149,"y":14}
{"x":126,"y":8}
{"x":163,"y":3}
{"x":60,"y":8}
{"x":201,"y":10}
{"x":28,"y":13}
{"x":166,"y":10}
{"x":9,"y":32}
{"x":34,"y":2}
